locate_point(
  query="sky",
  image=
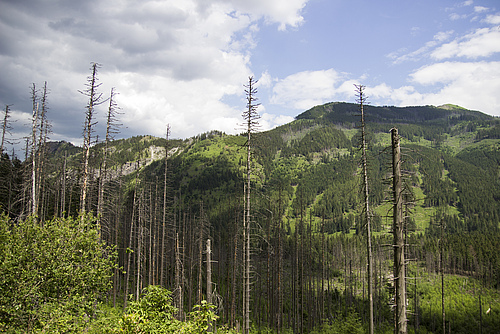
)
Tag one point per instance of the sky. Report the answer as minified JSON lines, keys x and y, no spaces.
{"x":185,"y":62}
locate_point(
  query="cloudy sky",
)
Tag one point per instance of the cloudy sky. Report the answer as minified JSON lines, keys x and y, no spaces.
{"x":184,"y":62}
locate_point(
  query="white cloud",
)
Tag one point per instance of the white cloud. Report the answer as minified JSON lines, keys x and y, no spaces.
{"x":481,"y":43}
{"x":440,"y":37}
{"x":480,"y":9}
{"x":284,"y":12}
{"x":471,"y":85}
{"x":270,"y":121}
{"x":381,"y":91}
{"x":493,"y":19}
{"x":455,"y":16}
{"x":171,"y":61}
{"x":265,"y":80}
{"x":306,"y":89}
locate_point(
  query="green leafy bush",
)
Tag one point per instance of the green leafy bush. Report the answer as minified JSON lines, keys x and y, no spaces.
{"x":53,"y":274}
{"x":154,"y":313}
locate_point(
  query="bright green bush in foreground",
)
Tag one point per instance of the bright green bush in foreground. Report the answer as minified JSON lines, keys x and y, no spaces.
{"x":53,"y":274}
{"x":154,"y":313}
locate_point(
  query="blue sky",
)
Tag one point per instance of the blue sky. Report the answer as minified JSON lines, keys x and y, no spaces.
{"x":184,"y":62}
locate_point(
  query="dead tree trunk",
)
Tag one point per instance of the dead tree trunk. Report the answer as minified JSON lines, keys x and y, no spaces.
{"x":361,"y":100}
{"x":441,"y":250}
{"x":399,"y":258}
{"x":5,"y":127}
{"x":251,"y":117}
{"x":178,"y":278}
{"x":63,"y":185}
{"x":34,"y":125}
{"x":42,"y":140}
{"x":164,"y":217}
{"x":129,"y":247}
{"x":209,"y":272}
{"x":95,"y":99}
{"x":110,"y":130}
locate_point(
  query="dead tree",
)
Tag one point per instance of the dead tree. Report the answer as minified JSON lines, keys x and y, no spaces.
{"x":6,"y":128}
{"x":209,"y":279}
{"x":361,"y":100}
{"x":34,"y":124}
{"x":179,"y":278}
{"x":209,"y":272}
{"x":43,"y":128}
{"x":441,"y":262}
{"x":251,"y":118}
{"x":130,"y":240}
{"x":111,"y":129}
{"x":398,"y":243}
{"x":95,"y":99}
{"x":164,"y":216}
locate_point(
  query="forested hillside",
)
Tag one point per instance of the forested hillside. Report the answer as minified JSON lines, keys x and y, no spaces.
{"x":157,"y":201}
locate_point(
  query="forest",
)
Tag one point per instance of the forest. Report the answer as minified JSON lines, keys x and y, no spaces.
{"x":262,"y":232}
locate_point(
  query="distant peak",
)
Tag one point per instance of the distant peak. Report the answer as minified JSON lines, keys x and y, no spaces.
{"x":450,"y":106}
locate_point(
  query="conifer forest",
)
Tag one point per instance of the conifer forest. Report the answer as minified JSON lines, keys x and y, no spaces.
{"x":352,"y":218}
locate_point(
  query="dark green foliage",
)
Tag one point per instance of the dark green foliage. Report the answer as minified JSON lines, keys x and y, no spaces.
{"x":486,"y":157}
{"x":214,"y":174}
{"x":344,"y":113}
{"x":334,"y":179}
{"x":489,"y":133}
{"x":481,"y":212}
{"x":317,"y":140}
{"x":439,"y":191}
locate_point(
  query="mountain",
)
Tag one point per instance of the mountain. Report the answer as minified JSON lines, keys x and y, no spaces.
{"x":453,"y":160}
{"x":308,"y":243}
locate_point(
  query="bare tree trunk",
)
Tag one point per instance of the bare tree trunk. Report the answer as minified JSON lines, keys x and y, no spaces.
{"x":150,"y":236}
{"x":42,"y":139}
{"x":233,"y":281}
{"x":399,"y":258}
{"x":139,"y":260}
{"x":164,"y":218}
{"x":209,"y":278}
{"x":280,"y":266}
{"x":251,"y":117}
{"x":178,"y":278}
{"x":200,"y":252}
{"x":156,"y":235}
{"x":441,"y":249}
{"x":63,"y":184}
{"x":5,"y":127}
{"x":361,"y":100}
{"x":129,"y":248}
{"x":111,"y":117}
{"x":243,"y":251}
{"x":34,"y":125}
{"x":94,"y":100}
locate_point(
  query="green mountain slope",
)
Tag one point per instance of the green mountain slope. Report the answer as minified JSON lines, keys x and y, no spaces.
{"x":452,"y":160}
